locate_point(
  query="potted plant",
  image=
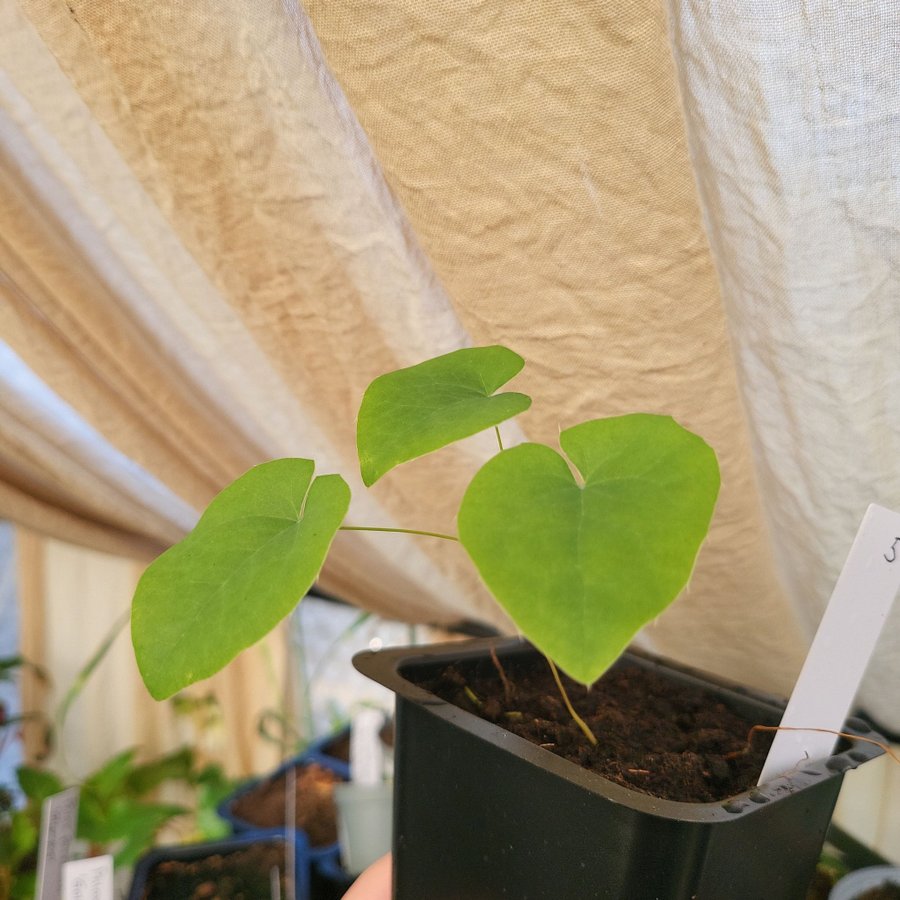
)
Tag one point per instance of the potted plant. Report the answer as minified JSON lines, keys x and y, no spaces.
{"x":263,"y":803}
{"x":481,"y":812}
{"x":581,"y":548}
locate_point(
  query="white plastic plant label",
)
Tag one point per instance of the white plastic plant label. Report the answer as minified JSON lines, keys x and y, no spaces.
{"x":59,"y":816}
{"x":88,"y":879}
{"x":842,"y":647}
{"x":366,"y":749}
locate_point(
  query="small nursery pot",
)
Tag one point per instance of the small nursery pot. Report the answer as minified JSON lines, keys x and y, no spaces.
{"x":240,"y":825}
{"x":314,"y":855}
{"x":143,"y":871}
{"x":857,"y":883}
{"x":480,"y":813}
{"x":333,"y":749}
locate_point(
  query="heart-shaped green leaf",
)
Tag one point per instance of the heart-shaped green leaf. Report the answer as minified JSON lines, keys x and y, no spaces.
{"x":252,"y":556}
{"x":581,"y":568}
{"x":411,"y":412}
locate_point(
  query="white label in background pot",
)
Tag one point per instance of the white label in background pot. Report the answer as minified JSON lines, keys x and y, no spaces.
{"x":843,"y":645}
{"x":88,"y":879}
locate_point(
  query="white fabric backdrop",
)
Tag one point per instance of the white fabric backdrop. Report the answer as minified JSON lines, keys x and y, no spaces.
{"x":793,"y":118}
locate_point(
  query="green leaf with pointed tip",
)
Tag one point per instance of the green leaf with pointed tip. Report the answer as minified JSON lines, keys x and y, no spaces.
{"x":252,"y":556}
{"x":411,"y":412}
{"x":581,"y":568}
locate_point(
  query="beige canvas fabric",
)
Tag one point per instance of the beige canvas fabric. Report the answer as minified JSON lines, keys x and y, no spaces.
{"x":792,"y":112}
{"x":231,"y":220}
{"x":540,"y":155}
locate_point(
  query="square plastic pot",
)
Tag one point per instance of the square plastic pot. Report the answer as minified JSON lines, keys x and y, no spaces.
{"x":480,"y":813}
{"x":313,"y":755}
{"x":192,"y":852}
{"x":335,"y":748}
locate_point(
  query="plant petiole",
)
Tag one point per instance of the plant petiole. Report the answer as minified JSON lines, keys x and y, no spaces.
{"x":507,"y":687}
{"x":435,"y":534}
{"x":577,"y":719}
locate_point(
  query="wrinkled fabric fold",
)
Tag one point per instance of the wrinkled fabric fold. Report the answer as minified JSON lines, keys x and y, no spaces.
{"x":793,"y":116}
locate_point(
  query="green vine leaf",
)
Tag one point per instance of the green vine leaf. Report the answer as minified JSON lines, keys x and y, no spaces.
{"x":252,"y":556}
{"x":582,"y":567}
{"x":411,"y":412}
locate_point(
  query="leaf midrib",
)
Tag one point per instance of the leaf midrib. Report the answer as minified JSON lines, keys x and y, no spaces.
{"x":199,"y":614}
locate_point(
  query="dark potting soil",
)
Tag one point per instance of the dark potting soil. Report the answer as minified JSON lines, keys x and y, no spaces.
{"x":240,"y":875}
{"x":656,"y":736}
{"x":886,"y":891}
{"x":316,"y":813}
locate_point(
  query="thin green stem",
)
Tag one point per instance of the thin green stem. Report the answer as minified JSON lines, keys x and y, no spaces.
{"x":81,"y":679}
{"x":577,"y":719}
{"x":436,"y":534}
{"x":499,"y":439}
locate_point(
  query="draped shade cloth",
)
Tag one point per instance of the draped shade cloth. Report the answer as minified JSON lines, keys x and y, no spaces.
{"x":218,"y":222}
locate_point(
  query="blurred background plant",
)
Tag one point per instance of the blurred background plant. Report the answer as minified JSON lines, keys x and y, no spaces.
{"x":129,"y":803}
{"x":124,"y":805}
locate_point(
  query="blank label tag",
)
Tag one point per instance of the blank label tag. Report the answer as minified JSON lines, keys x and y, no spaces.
{"x":843,"y":645}
{"x":59,"y":816}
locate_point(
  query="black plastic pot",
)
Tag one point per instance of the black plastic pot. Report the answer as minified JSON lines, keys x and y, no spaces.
{"x":480,"y":813}
{"x":193,"y":852}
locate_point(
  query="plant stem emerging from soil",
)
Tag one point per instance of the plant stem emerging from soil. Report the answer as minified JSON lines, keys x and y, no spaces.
{"x":507,"y":687}
{"x":575,"y":717}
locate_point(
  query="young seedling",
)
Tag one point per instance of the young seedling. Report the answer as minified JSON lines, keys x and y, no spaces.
{"x":581,"y":548}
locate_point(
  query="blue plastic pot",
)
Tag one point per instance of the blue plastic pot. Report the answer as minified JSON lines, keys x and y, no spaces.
{"x":321,"y":749}
{"x":330,"y":881}
{"x":239,"y":825}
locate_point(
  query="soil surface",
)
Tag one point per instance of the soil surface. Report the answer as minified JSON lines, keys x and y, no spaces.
{"x":886,"y":891}
{"x":240,"y":875}
{"x":316,"y":813}
{"x":655,"y":736}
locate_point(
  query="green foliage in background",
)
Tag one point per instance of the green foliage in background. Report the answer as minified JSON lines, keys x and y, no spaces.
{"x":117,"y":812}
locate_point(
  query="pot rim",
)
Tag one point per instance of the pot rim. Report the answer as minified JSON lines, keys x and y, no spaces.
{"x":386,"y":666}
